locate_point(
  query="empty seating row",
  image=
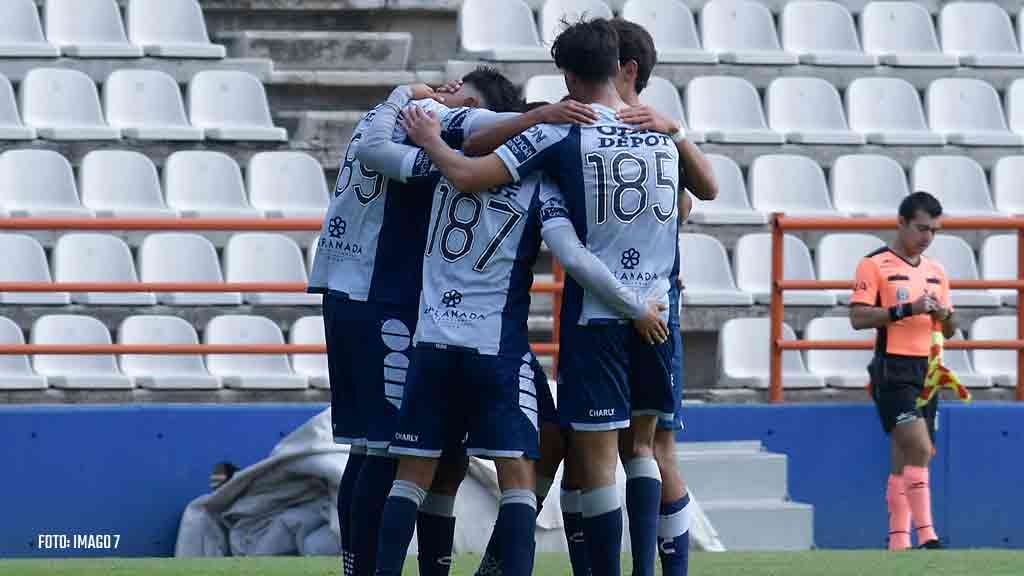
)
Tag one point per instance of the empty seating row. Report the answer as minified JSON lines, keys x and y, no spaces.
{"x":813,"y":32}
{"x":116,"y":183}
{"x":743,"y":355}
{"x":63,"y":104}
{"x":96,"y":372}
{"x":94,"y":29}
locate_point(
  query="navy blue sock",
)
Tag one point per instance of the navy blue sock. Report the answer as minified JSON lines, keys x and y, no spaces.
{"x":516,"y":526}
{"x":602,"y":530}
{"x":572,"y":519}
{"x":356,"y":456}
{"x":371,"y":491}
{"x":398,"y":521}
{"x":435,"y":534}
{"x":490,"y":562}
{"x":674,"y":537}
{"x":643,"y":500}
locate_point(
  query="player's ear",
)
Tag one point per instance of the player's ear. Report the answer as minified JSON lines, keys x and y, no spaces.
{"x":472,"y":102}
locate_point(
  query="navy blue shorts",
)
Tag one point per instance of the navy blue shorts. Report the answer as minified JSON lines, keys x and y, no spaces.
{"x":368,"y":350}
{"x":489,"y":405}
{"x":678,"y":381}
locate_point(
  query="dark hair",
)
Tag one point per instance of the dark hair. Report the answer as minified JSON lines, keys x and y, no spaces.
{"x":500,"y":94}
{"x":589,"y":49}
{"x":636,"y":43}
{"x":920,"y":202}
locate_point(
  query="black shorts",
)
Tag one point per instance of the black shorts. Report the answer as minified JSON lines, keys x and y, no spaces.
{"x":896,"y":382}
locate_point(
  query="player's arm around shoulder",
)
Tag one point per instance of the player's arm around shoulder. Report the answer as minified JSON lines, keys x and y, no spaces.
{"x":488,"y":139}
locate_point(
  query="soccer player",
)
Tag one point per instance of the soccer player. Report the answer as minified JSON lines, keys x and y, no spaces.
{"x":905,"y":296}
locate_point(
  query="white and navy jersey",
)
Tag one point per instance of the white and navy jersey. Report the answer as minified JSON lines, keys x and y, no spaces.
{"x":621,"y":188}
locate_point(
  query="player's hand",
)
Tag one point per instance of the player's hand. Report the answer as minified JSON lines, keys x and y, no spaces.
{"x":420,"y":125}
{"x":645,"y":117}
{"x":651,"y":327}
{"x":422,"y":91}
{"x":449,"y":87}
{"x":924,"y":305}
{"x":940,"y":313}
{"x":566,"y":112}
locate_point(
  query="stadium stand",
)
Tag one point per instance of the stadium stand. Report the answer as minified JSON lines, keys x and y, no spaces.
{"x":167,"y":372}
{"x":38,"y":183}
{"x":957,"y":257}
{"x":822,"y":34}
{"x":147,"y":105}
{"x":204,"y":183}
{"x":728,"y":110}
{"x":1001,"y":365}
{"x":959,"y":362}
{"x":310,"y":330}
{"x":83,"y":372}
{"x":170,"y":29}
{"x":902,"y":34}
{"x":253,"y":371}
{"x":980,"y":34}
{"x":788,"y":183}
{"x":286,"y":185}
{"x":500,"y":30}
{"x":63,"y":105}
{"x":732,"y":206}
{"x":998,"y":258}
{"x":231,"y":105}
{"x":1007,"y":175}
{"x":957,"y":181}
{"x":867,"y":185}
{"x":744,"y":364}
{"x":88,"y":29}
{"x":672,"y":26}
{"x":11,"y":127}
{"x":546,"y":88}
{"x":183,"y":257}
{"x":837,"y":257}
{"x":121,"y":184}
{"x":21,"y":33}
{"x":752,"y":268}
{"x":1015,"y":107}
{"x":742,"y":32}
{"x":556,"y":12}
{"x":839,"y":368}
{"x":263,"y":257}
{"x":888,"y":111}
{"x":26,"y":262}
{"x":92,"y":257}
{"x":808,"y":111}
{"x":967,"y":112}
{"x":15,"y":371}
{"x":706,"y":273}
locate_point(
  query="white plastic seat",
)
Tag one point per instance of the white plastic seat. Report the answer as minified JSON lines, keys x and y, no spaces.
{"x":287,"y":185}
{"x":998,"y":258}
{"x":500,"y":30}
{"x":170,"y":29}
{"x":671,"y":24}
{"x":960,"y":363}
{"x":555,"y":12}
{"x":182,"y":257}
{"x":731,"y":206}
{"x":92,"y":257}
{"x":88,"y":29}
{"x":252,"y":371}
{"x":21,"y":34}
{"x":15,"y":371}
{"x":839,"y":368}
{"x":808,"y":111}
{"x":957,"y":181}
{"x":902,"y":34}
{"x":742,"y":32}
{"x":206,"y":184}
{"x":957,"y":257}
{"x":822,"y":34}
{"x":838,"y":255}
{"x":752,"y":266}
{"x":231,"y":105}
{"x":727,"y":109}
{"x":888,"y":111}
{"x":38,"y":183}
{"x":1015,"y":106}
{"x":980,"y":34}
{"x":545,"y":88}
{"x":147,"y":105}
{"x":1000,"y":365}
{"x":63,"y":104}
{"x":664,"y":97}
{"x":867,"y":185}
{"x":708,"y":280}
{"x":11,"y":127}
{"x":25,"y":261}
{"x":744,"y":355}
{"x":310,"y":330}
{"x":788,"y":183}
{"x":121,"y":184}
{"x":163,"y":371}
{"x":1007,"y":176}
{"x":262,"y":257}
{"x":968,"y":112}
{"x":76,"y":371}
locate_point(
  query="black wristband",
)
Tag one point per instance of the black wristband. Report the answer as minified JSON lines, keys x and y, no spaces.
{"x":895,"y":313}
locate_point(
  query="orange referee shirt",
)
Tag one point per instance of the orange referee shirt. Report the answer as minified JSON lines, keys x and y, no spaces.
{"x":885,"y":279}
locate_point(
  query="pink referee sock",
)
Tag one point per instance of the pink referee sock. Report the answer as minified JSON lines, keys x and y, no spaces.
{"x":919,"y":494}
{"x":899,"y":514}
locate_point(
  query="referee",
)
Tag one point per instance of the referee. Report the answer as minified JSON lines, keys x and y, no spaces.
{"x":905,"y":296}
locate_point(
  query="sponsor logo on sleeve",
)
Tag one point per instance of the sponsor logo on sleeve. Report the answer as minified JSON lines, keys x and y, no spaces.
{"x":521,"y":148}
{"x":422,"y":166}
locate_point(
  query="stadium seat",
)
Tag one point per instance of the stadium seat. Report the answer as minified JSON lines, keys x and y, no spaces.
{"x":25,"y":261}
{"x":1007,"y":176}
{"x":545,"y":88}
{"x":671,"y":24}
{"x":664,"y":97}
{"x":979,"y":34}
{"x":808,"y":111}
{"x":310,"y":330}
{"x":555,"y":12}
{"x":38,"y":183}
{"x":63,"y":105}
{"x":902,"y":34}
{"x":163,"y":371}
{"x":88,"y":29}
{"x":742,"y":32}
{"x":231,"y":105}
{"x":11,"y":127}
{"x":744,"y":354}
{"x":1000,"y":365}
{"x":287,"y":185}
{"x":727,"y":109}
{"x":253,"y":371}
{"x":839,"y":368}
{"x":888,"y":111}
{"x":91,"y":257}
{"x":838,"y":255}
{"x":170,"y":29}
{"x":1015,"y":106}
{"x":867,"y":185}
{"x":183,"y":257}
{"x":957,"y":181}
{"x":202,"y":183}
{"x":731,"y":206}
{"x":76,"y":371}
{"x":21,"y":34}
{"x":822,"y":33}
{"x":959,"y":362}
{"x":121,"y":184}
{"x":968,"y":112}
{"x":706,"y":273}
{"x":998,"y":256}
{"x":15,"y":371}
{"x":262,"y":257}
{"x":957,"y":257}
{"x":147,"y":105}
{"x":788,"y":183}
{"x":752,"y":266}
{"x":500,"y":30}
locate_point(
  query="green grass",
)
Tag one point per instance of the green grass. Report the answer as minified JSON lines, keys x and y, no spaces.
{"x":869,"y":563}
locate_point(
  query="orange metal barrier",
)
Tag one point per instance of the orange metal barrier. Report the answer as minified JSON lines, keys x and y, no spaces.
{"x":782,"y":223}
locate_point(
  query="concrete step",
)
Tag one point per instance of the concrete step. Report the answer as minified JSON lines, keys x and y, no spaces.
{"x":761,"y":524}
{"x":98,"y":69}
{"x":295,"y":91}
{"x":718,"y":475}
{"x":322,"y":50}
